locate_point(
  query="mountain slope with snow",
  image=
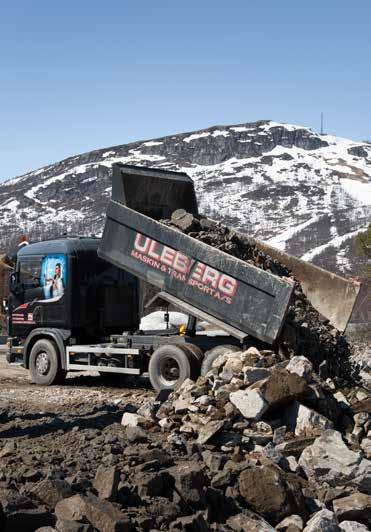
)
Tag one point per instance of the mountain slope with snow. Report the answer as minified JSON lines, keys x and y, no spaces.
{"x":307,"y":193}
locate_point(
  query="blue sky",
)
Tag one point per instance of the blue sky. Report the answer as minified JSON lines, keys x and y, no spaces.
{"x":79,"y":75}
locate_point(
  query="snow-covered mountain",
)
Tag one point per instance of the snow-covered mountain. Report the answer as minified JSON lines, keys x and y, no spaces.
{"x":307,"y":193}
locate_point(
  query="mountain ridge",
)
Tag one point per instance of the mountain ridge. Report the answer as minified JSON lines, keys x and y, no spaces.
{"x":306,"y":193}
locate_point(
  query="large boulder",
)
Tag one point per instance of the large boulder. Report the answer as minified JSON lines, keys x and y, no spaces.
{"x":271,"y":492}
{"x":282,"y":387}
{"x":106,"y":482}
{"x":250,"y":403}
{"x":322,"y":521}
{"x":353,"y":526}
{"x":104,"y":516}
{"x":190,"y":482}
{"x":356,"y":506}
{"x":301,"y":366}
{"x":50,"y":492}
{"x":329,"y":460}
{"x":71,"y":509}
{"x":304,"y":421}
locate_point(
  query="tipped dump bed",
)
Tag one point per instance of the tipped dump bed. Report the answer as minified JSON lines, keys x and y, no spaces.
{"x":333,"y":296}
{"x":242,"y":296}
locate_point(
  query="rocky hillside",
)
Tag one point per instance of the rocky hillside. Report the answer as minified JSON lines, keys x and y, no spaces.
{"x":309,"y":194}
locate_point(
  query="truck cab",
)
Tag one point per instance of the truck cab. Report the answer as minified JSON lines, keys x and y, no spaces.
{"x":60,"y":289}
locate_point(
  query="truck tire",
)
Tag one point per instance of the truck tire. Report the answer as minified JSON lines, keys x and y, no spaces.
{"x":170,"y":365}
{"x":196,"y":351}
{"x":45,"y":364}
{"x":213,"y":354}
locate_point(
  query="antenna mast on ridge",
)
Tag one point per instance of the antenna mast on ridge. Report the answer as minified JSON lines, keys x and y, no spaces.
{"x":322,"y":132}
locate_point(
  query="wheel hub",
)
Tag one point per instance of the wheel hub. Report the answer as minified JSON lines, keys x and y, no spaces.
{"x":42,"y":363}
{"x":170,"y":370}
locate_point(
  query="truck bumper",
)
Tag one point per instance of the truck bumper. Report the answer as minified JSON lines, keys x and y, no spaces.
{"x":14,"y":355}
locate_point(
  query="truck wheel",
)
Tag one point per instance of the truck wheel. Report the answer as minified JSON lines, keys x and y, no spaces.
{"x":170,"y":366}
{"x":45,"y":364}
{"x":213,"y":354}
{"x":195,"y":356}
{"x":196,"y":352}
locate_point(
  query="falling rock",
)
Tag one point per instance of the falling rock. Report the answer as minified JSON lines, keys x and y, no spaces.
{"x":184,"y":220}
{"x":304,"y":421}
{"x":106,"y":482}
{"x":353,"y":526}
{"x":50,"y":492}
{"x":329,"y":460}
{"x":356,"y":506}
{"x":301,"y":366}
{"x":250,"y":403}
{"x":206,"y":432}
{"x":322,"y":521}
{"x":292,"y":523}
{"x":271,"y":493}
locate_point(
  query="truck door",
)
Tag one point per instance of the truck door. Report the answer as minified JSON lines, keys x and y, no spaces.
{"x":25,"y":287}
{"x":38,"y":293}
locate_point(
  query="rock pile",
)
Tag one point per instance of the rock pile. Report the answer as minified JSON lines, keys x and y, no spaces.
{"x":305,"y":331}
{"x":260,"y":443}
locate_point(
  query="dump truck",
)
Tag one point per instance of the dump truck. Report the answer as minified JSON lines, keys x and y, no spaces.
{"x":76,"y":302}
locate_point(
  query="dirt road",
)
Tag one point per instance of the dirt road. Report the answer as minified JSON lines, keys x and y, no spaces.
{"x":79,"y":390}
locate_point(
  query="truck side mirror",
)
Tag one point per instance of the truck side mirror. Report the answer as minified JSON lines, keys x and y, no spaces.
{"x":4,"y":306}
{"x":14,"y":286}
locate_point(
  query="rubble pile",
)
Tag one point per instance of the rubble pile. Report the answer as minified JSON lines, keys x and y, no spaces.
{"x":305,"y":331}
{"x":259,"y":443}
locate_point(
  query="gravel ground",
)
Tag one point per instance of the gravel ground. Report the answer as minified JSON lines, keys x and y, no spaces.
{"x":80,"y":390}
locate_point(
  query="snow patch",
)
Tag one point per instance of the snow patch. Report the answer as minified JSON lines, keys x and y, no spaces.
{"x":196,"y":136}
{"x":358,"y":190}
{"x":89,"y":179}
{"x":152,"y":143}
{"x":220,"y":133}
{"x":335,"y":242}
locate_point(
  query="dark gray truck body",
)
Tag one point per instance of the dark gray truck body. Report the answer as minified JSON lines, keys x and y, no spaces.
{"x":226,"y":290}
